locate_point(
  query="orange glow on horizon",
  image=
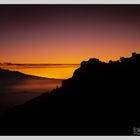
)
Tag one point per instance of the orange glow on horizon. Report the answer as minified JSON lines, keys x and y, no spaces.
{"x":57,"y":72}
{"x":85,"y":50}
{"x":62,"y":35}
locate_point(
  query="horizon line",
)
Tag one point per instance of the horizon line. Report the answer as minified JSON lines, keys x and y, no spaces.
{"x":9,"y":63}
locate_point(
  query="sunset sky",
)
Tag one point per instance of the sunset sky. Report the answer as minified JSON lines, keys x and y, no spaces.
{"x":68,"y":34}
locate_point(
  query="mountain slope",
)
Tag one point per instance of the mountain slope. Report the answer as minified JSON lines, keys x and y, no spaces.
{"x":12,"y":75}
{"x":17,"y":88}
{"x":99,"y":99}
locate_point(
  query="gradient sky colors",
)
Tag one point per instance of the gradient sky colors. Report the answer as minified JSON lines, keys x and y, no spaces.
{"x":48,"y":71}
{"x":68,"y":34}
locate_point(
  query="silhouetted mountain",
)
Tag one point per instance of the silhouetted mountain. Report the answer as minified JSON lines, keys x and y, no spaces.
{"x":8,"y":77}
{"x":17,"y":88}
{"x":14,"y":75}
{"x":99,"y":99}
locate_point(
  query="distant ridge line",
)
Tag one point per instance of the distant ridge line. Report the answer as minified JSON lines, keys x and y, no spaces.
{"x":34,"y":64}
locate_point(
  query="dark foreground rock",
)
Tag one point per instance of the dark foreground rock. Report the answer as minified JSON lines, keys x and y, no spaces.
{"x":99,"y":99}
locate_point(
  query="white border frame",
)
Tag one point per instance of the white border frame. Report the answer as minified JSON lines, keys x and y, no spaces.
{"x":69,"y":1}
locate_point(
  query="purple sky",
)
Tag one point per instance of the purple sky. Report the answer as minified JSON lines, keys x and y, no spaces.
{"x":68,"y":33}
